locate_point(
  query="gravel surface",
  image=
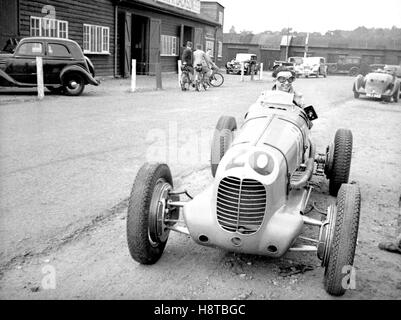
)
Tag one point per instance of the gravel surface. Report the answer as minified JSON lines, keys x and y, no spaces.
{"x":67,"y":167}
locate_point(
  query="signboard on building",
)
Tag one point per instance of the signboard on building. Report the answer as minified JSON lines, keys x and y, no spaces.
{"x":189,"y":5}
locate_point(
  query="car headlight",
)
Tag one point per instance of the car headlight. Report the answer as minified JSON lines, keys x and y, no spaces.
{"x":262,"y":163}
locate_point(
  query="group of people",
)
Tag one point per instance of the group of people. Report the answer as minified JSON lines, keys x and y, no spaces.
{"x":192,"y":59}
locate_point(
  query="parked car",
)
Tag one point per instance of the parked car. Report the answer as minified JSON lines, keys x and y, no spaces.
{"x":65,"y":68}
{"x":351,"y":65}
{"x":379,"y":84}
{"x":257,"y":201}
{"x":249,"y":59}
{"x":311,"y":66}
{"x":395,"y":69}
{"x":287,"y":64}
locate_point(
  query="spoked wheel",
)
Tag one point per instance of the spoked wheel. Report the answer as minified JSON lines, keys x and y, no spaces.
{"x":185,"y":82}
{"x":339,"y":162}
{"x":147,"y":232}
{"x":338,"y":250}
{"x":222,"y":138}
{"x":75,"y":85}
{"x":216,"y":80}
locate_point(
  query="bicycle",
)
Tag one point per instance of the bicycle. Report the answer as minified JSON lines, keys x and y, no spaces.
{"x":185,"y":80}
{"x":216,"y":79}
{"x":199,"y":78}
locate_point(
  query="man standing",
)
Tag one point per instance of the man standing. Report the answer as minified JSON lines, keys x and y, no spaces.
{"x":187,"y":58}
{"x":200,"y":58}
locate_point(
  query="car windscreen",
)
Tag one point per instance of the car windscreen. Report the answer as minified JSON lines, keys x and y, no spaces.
{"x":277,"y":97}
{"x":30,"y":49}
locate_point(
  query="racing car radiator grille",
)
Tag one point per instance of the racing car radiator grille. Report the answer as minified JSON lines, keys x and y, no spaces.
{"x":241,"y":205}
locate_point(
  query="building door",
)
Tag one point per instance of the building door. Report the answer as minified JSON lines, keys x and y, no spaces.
{"x":140,"y":30}
{"x":154,"y":45}
{"x":127,"y":44}
{"x":198,"y":37}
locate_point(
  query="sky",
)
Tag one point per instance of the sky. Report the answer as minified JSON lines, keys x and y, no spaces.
{"x":310,"y":15}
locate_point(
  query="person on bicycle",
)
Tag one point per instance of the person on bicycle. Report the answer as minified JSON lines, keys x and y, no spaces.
{"x":284,"y":78}
{"x":202,"y":59}
{"x":186,"y":59}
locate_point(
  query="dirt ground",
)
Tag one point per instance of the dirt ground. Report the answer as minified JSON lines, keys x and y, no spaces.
{"x":94,"y":263}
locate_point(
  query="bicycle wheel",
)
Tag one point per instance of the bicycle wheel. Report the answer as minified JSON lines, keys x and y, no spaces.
{"x":217,"y":79}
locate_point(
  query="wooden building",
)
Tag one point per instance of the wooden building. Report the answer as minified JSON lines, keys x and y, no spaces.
{"x":113,"y":32}
{"x":271,"y":47}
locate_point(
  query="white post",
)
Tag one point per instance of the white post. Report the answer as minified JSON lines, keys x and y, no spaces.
{"x":179,"y":73}
{"x":39,"y":78}
{"x":133,"y":76}
{"x":261,"y":71}
{"x":242,"y":71}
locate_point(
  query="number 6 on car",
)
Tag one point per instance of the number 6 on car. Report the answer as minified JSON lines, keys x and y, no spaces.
{"x":256,"y":203}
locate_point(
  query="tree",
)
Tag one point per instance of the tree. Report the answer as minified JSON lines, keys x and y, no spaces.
{"x":232,"y":30}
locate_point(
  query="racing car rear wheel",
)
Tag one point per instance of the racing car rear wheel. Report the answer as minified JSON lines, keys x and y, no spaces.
{"x":222,"y":139}
{"x":147,"y":232}
{"x":339,"y":171}
{"x":339,"y":272}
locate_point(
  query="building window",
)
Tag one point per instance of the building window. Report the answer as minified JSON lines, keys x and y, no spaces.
{"x":210,"y":45}
{"x":221,"y":17}
{"x":96,"y":39}
{"x":169,"y":45}
{"x":220,"y":50}
{"x":44,"y":27}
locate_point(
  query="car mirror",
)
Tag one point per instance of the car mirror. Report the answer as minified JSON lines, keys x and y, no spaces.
{"x":311,"y":113}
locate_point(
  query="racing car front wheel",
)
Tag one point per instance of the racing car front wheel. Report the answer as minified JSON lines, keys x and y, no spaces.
{"x":222,"y":139}
{"x":147,"y":232}
{"x":341,"y":163}
{"x":339,"y":273}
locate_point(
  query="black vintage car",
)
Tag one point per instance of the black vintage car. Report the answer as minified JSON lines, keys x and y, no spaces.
{"x":65,"y":68}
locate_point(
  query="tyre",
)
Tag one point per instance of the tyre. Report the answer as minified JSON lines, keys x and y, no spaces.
{"x":356,"y":93}
{"x":147,"y":233}
{"x":343,"y":243}
{"x":216,"y":80}
{"x":222,"y":139}
{"x":387,"y":99}
{"x":74,"y":84}
{"x":396,"y":94}
{"x":353,"y":71}
{"x":185,"y":82}
{"x":339,"y":172}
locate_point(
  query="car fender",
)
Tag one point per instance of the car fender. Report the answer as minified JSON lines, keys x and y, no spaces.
{"x":359,"y":81}
{"x":6,"y":80}
{"x":77,"y":69}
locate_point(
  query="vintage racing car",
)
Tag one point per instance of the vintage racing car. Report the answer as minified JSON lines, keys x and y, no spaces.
{"x":65,"y":68}
{"x":381,"y":84}
{"x":257,"y":202}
